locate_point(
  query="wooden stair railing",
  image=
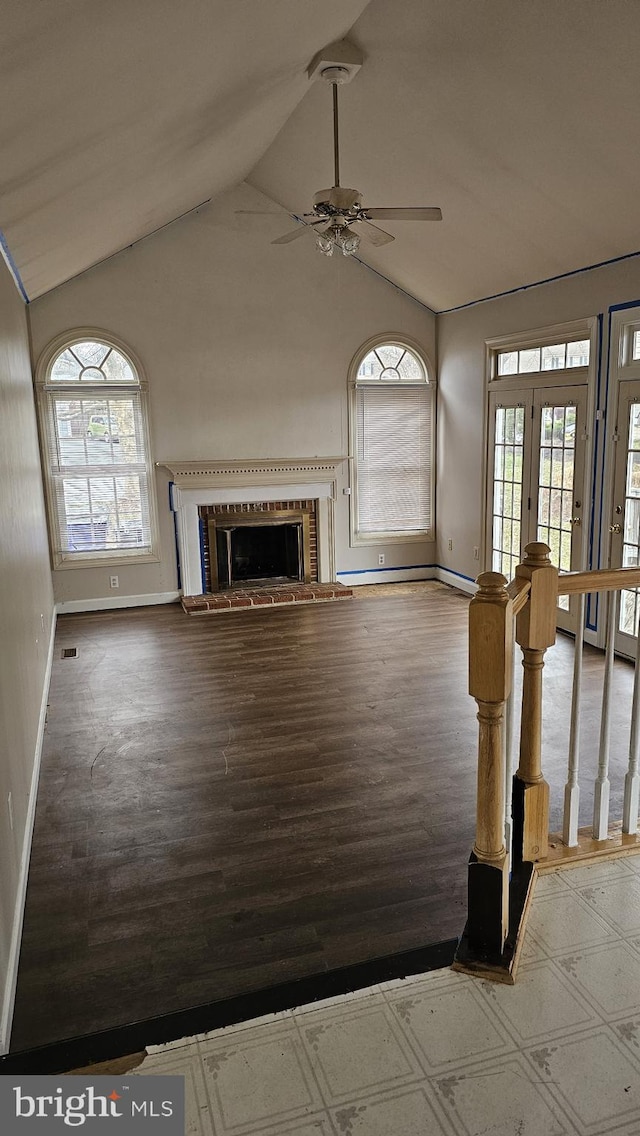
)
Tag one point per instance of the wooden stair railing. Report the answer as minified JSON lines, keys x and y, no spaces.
{"x":535,"y":632}
{"x":512,"y":814}
{"x":490,"y":675}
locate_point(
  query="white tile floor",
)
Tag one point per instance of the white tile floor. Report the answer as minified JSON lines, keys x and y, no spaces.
{"x":442,"y":1053}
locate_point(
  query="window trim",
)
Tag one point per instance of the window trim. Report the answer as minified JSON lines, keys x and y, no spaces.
{"x":45,"y":387}
{"x":358,"y":539}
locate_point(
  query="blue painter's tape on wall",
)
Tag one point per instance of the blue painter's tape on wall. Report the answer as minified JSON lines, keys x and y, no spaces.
{"x":13,"y":267}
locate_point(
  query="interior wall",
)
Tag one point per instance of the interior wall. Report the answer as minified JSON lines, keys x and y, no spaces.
{"x":26,"y":617}
{"x":246,"y":348}
{"x":461,"y":389}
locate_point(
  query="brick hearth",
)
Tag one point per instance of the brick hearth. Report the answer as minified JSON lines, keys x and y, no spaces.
{"x":242,"y":598}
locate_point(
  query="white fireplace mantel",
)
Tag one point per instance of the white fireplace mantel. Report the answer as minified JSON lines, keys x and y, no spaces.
{"x":250,"y":481}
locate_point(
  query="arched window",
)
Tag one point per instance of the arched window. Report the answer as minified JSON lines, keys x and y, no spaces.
{"x":392,"y":427}
{"x":94,"y":430}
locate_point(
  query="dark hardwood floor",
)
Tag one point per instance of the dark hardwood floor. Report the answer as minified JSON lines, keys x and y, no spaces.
{"x":229,"y":802}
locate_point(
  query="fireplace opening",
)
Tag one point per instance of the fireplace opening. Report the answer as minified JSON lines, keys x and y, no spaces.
{"x":259,"y":553}
{"x":254,"y":544}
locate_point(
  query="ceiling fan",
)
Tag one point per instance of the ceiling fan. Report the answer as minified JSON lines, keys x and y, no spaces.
{"x":338,"y":218}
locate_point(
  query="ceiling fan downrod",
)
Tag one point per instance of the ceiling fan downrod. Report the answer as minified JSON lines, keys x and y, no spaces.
{"x":336,"y":144}
{"x":336,"y":76}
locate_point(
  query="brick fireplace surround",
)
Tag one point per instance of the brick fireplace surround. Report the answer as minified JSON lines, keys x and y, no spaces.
{"x":200,"y":488}
{"x":259,"y":509}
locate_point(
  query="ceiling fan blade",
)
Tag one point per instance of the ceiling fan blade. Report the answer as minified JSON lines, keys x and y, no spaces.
{"x":432,"y":213}
{"x":293,"y":234}
{"x":371,"y":232}
{"x":258,"y":212}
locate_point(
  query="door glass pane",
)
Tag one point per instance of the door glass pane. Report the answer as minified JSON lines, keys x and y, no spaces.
{"x":629,"y":600}
{"x":555,"y":485}
{"x":507,"y":488}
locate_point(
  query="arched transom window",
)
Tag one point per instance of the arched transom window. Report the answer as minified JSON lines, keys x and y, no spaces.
{"x":391,"y":412}
{"x":92,"y":362}
{"x":392,"y":363}
{"x":93,"y":417}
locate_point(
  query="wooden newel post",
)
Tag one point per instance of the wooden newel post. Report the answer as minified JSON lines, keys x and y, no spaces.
{"x":490,"y":670}
{"x":535,"y":631}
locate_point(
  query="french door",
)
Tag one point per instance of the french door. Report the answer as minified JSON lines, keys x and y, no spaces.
{"x":624,"y":526}
{"x":537,"y":439}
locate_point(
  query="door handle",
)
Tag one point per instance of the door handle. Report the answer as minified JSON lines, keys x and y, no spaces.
{"x":615,"y":528}
{"x":576,"y":521}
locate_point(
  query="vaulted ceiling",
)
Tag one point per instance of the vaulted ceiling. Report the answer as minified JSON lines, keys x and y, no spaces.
{"x":520,"y":120}
{"x":117,"y":116}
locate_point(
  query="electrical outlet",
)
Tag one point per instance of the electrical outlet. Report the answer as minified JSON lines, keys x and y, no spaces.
{"x":476,"y":552}
{"x":114,"y":582}
{"x":450,"y":545}
{"x":10,"y":808}
{"x":381,"y":558}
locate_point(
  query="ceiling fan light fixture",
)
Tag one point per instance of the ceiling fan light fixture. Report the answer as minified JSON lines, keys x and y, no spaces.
{"x":337,"y":237}
{"x":349,"y":243}
{"x":325,"y":242}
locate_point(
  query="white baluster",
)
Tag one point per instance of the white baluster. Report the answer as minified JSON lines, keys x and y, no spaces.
{"x":572,"y":788}
{"x":632,"y":779}
{"x":601,"y":788}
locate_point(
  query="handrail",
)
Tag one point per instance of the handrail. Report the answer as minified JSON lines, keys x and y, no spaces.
{"x":600,"y":580}
{"x":512,"y":819}
{"x":518,"y":591}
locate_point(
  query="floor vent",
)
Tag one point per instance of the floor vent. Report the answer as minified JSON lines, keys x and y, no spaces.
{"x":69,"y":653}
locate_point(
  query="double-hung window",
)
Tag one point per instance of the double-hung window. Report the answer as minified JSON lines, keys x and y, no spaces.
{"x":95,"y":440}
{"x":392,"y":429}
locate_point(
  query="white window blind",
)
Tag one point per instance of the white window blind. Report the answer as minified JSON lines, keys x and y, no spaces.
{"x":394,"y":429}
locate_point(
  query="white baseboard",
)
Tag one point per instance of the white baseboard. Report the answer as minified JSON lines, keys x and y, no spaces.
{"x":385,"y":575}
{"x":104,"y":603}
{"x":456,"y":580}
{"x":400,"y":575}
{"x":9,"y":997}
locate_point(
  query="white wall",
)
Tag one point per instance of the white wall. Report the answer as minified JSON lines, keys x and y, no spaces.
{"x":461,"y":408}
{"x":26,"y":624}
{"x":246,"y":348}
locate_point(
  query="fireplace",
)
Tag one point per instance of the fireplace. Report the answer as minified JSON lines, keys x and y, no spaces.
{"x":204,"y":488}
{"x":259,"y":547}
